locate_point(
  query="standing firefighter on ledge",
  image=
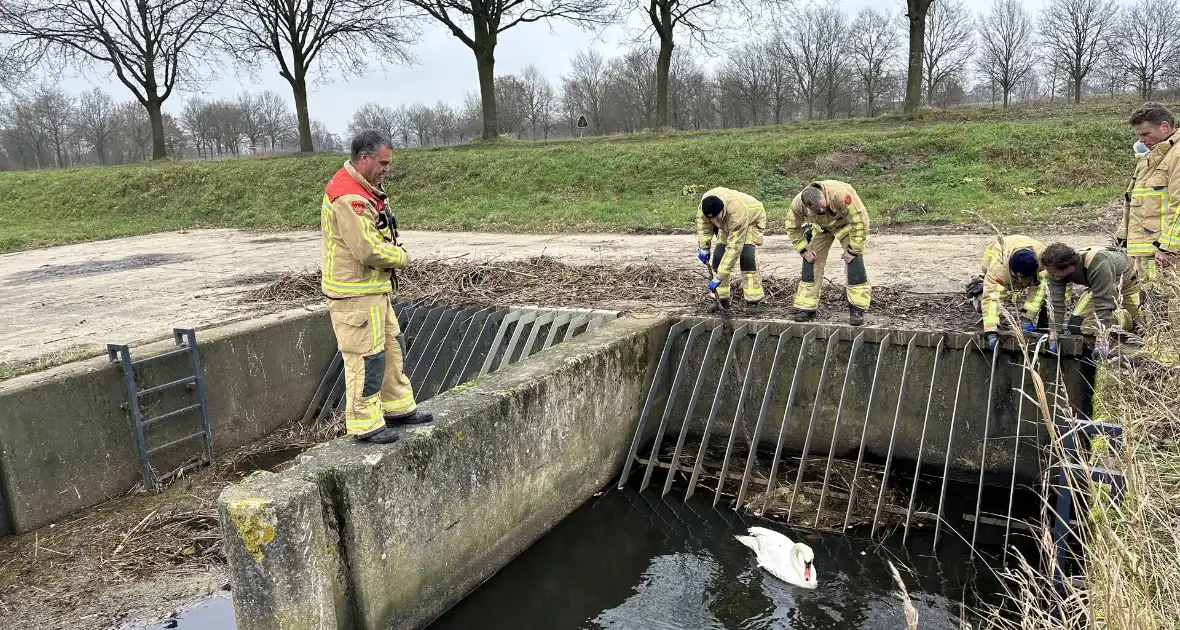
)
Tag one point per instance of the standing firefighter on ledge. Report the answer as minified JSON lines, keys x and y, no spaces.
{"x":738,"y":220}
{"x":835,"y":213}
{"x":357,"y":273}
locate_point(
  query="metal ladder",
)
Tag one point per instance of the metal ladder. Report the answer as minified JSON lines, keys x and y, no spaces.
{"x":186,"y":339}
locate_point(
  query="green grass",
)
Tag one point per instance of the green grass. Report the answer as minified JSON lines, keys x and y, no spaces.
{"x":928,"y":169}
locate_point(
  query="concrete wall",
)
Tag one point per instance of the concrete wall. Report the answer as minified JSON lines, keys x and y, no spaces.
{"x":379,"y":536}
{"x":65,"y":443}
{"x":920,"y":381}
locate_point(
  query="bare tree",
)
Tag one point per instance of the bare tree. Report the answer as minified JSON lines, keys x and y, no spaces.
{"x":95,"y":121}
{"x":743,"y":73}
{"x":947,"y":46}
{"x":1007,"y":55}
{"x":135,"y":132}
{"x":446,"y":122}
{"x":299,"y":34}
{"x":53,"y":112}
{"x":322,"y":139}
{"x":811,"y":43}
{"x":1072,"y":33}
{"x":584,"y":88}
{"x":487,"y":19}
{"x":702,"y":19}
{"x":277,"y":124}
{"x":1149,"y":28}
{"x":251,"y":114}
{"x":916,"y":11}
{"x":149,"y":44}
{"x":632,"y":90}
{"x":874,"y":52}
{"x":834,"y":65}
{"x":376,"y":117}
{"x":779,"y":85}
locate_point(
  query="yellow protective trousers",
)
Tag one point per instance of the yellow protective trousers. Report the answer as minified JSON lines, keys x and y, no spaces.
{"x":374,"y":385}
{"x":859,"y":291}
{"x":751,"y":273}
{"x":1126,"y":314}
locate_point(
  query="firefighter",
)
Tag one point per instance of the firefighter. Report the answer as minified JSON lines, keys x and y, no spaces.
{"x":1010,"y":267}
{"x":1110,"y":303}
{"x":835,"y":213}
{"x":738,"y":221}
{"x":358,"y":264}
{"x":1150,"y":227}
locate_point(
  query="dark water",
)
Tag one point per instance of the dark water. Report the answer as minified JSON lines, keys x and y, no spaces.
{"x":629,"y":561}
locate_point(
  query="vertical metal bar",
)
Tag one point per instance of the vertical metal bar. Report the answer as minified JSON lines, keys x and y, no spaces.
{"x":909,"y":513}
{"x":696,"y":469}
{"x":737,"y":414}
{"x":421,"y":338}
{"x":323,"y":389}
{"x":563,"y":319}
{"x":1016,"y":449}
{"x":782,"y":430}
{"x":909,"y":351}
{"x":856,"y":344}
{"x":433,"y":346}
{"x":122,"y":354}
{"x":511,"y":317}
{"x":752,"y":455}
{"x":527,"y":349}
{"x":526,"y":319}
{"x":655,"y":445}
{"x":692,"y":405}
{"x":194,"y":361}
{"x":676,"y":329}
{"x":474,"y":361}
{"x":819,"y":392}
{"x":464,"y":349}
{"x":448,"y":347}
{"x":987,"y":420}
{"x":950,"y":438}
{"x":864,"y":430}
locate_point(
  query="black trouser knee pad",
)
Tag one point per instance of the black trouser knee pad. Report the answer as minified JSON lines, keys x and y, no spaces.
{"x":1074,"y":325}
{"x":746,"y":262}
{"x":374,"y":374}
{"x":856,"y":271}
{"x":808,"y":271}
{"x":718,"y":253}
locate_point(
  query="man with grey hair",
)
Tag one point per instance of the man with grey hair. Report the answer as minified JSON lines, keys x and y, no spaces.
{"x":357,"y":279}
{"x":836,"y":213}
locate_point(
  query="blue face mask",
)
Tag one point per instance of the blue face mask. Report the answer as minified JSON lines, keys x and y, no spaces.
{"x":1140,"y":148}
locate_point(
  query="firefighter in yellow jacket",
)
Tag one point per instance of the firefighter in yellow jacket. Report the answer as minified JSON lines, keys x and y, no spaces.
{"x":358,"y":259}
{"x":835,"y":213}
{"x":1111,"y":303}
{"x":1150,"y":226}
{"x":738,"y":220}
{"x":1011,"y":268}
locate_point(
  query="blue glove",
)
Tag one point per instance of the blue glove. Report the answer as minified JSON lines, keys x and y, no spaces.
{"x":703,"y":254}
{"x":1027,"y":326}
{"x":1052,"y":346}
{"x":713,"y":284}
{"x":1102,"y":353}
{"x":993,"y":340}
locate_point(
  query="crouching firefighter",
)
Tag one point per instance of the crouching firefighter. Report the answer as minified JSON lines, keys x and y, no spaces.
{"x":1109,"y":306}
{"x":738,"y":220}
{"x":835,"y":213}
{"x":1011,"y":268}
{"x":356,"y":277}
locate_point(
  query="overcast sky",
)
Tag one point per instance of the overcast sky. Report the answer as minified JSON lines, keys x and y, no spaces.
{"x":445,"y":68}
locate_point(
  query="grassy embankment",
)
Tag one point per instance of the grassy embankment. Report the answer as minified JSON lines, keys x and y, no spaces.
{"x":923,"y":170}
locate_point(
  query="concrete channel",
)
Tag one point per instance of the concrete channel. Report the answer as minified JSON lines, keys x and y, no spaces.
{"x":379,"y":536}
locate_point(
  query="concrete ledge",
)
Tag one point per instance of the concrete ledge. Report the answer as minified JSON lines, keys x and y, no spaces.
{"x":66,"y":444}
{"x":406,"y":530}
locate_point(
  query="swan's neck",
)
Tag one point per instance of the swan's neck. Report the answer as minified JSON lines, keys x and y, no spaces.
{"x":798,"y":564}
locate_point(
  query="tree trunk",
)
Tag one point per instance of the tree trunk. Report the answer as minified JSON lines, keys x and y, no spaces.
{"x":1077,"y":90}
{"x":913,"y":88}
{"x":299,"y":89}
{"x":663,"y":72}
{"x":485,"y":64}
{"x":156,"y":115}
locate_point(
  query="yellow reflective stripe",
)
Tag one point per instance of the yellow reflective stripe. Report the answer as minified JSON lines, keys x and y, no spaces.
{"x":859,"y":295}
{"x":991,"y":315}
{"x":805,"y":301}
{"x":1083,"y":302}
{"x":800,"y":245}
{"x":858,"y":228}
{"x":1033,"y":304}
{"x":393,"y":255}
{"x":330,"y":256}
{"x":365,"y":424}
{"x":1140,"y":249}
{"x":355,"y":287}
{"x":375,"y":326}
{"x":842,"y":232}
{"x":405,"y":404}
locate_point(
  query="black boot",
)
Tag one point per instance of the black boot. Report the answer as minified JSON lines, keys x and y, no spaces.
{"x":384,"y":435}
{"x":753,"y":308}
{"x":416,"y":416}
{"x":717,"y":306}
{"x":856,"y":315}
{"x":801,"y":315}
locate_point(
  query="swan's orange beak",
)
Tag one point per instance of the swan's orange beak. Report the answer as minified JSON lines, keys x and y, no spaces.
{"x":807,"y":572}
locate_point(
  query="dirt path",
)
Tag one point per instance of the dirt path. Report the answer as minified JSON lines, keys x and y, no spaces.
{"x":64,"y":303}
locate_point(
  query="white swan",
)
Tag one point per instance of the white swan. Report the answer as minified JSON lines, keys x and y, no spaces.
{"x":788,"y":561}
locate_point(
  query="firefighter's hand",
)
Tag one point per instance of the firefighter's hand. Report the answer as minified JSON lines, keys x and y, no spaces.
{"x":1102,"y":353}
{"x":809,"y":256}
{"x":993,"y":340}
{"x":713,"y":284}
{"x":703,"y":254}
{"x":848,"y":257}
{"x":1027,"y":326}
{"x":1053,"y":341}
{"x":1164,"y":259}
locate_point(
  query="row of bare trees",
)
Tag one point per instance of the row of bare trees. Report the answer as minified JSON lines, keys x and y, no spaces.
{"x":784,"y":59}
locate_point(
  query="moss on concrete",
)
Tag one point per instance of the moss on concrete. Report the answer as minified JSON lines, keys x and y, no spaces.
{"x":255,"y":527}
